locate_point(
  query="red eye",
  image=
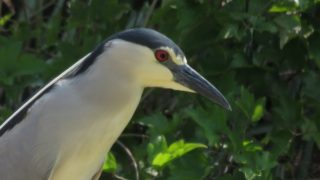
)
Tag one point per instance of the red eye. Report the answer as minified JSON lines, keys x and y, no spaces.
{"x":161,"y":55}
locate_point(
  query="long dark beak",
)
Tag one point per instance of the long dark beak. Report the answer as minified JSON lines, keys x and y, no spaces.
{"x":188,"y":77}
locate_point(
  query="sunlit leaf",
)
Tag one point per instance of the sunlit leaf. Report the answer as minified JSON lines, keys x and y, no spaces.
{"x":110,"y":164}
{"x":258,"y":111}
{"x":175,"y":150}
{"x":4,"y":19}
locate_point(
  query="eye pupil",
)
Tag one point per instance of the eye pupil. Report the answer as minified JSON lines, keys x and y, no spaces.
{"x":161,"y":55}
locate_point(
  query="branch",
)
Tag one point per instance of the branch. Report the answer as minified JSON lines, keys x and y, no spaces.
{"x":134,"y":162}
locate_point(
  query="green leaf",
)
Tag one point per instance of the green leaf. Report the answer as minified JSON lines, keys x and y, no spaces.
{"x":253,"y":109}
{"x":314,"y":44}
{"x":235,"y":176}
{"x":257,"y":165}
{"x":9,"y":53}
{"x":260,"y":24}
{"x":258,"y":111}
{"x":282,"y":6}
{"x":311,"y":131}
{"x":280,"y":141}
{"x":311,"y":86}
{"x":184,"y":168}
{"x":239,"y":61}
{"x":289,"y":27}
{"x":212,"y":121}
{"x":157,"y":122}
{"x":250,"y":146}
{"x":29,"y":64}
{"x":245,"y":102}
{"x":288,"y":112}
{"x":249,"y":173}
{"x":110,"y":164}
{"x":4,"y":19}
{"x":231,"y":31}
{"x":157,"y":145}
{"x":175,"y":150}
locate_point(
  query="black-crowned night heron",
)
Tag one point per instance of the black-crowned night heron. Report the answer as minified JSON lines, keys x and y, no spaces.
{"x":65,"y":130}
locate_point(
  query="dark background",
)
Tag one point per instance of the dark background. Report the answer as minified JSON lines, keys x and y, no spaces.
{"x":263,"y":55}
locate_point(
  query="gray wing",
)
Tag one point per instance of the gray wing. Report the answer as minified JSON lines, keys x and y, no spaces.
{"x":19,"y":114}
{"x":81,"y":66}
{"x":19,"y":159}
{"x":15,"y":154}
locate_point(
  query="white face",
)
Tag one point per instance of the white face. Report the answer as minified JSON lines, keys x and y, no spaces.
{"x":159,"y":67}
{"x":145,"y":64}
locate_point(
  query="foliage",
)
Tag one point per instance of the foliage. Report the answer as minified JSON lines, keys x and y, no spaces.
{"x":263,"y":55}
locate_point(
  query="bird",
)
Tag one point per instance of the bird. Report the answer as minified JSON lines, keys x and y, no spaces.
{"x":66,"y":129}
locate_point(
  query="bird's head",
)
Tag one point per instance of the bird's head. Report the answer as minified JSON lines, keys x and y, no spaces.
{"x":156,"y":61}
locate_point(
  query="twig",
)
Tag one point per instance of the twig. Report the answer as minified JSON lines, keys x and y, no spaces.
{"x":134,"y":162}
{"x":134,"y":135}
{"x":25,"y":10}
{"x":305,"y":161}
{"x":10,"y":6}
{"x":246,"y":6}
{"x":44,"y":7}
{"x":0,"y":8}
{"x":146,"y":94}
{"x":260,"y":130}
{"x":149,"y":12}
{"x":119,"y":177}
{"x":58,"y":6}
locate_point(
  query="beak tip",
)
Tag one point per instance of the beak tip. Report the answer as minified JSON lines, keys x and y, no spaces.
{"x":189,"y":78}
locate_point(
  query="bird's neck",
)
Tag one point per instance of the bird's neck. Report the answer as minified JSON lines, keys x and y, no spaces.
{"x":108,"y":104}
{"x":114,"y":95}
